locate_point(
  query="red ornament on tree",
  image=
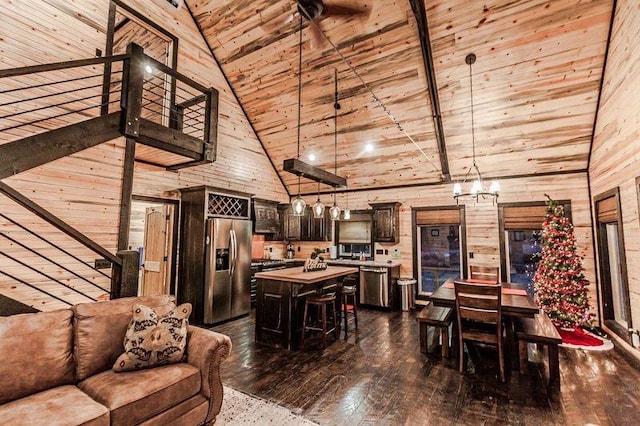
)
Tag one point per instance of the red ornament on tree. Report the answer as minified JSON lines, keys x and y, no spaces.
{"x":560,"y":285}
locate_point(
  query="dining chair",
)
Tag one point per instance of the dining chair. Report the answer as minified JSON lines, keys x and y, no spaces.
{"x":485,"y":273}
{"x":479,"y":315}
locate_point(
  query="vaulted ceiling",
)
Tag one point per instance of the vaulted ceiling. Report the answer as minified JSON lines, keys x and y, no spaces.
{"x":535,"y":84}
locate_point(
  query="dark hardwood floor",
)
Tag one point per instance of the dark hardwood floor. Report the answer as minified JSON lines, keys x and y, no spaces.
{"x":379,"y":376}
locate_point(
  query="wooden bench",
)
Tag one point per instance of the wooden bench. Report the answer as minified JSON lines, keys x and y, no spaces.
{"x":539,"y":330}
{"x":438,"y":317}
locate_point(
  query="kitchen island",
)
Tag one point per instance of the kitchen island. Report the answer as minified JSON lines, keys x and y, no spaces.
{"x":280,"y":301}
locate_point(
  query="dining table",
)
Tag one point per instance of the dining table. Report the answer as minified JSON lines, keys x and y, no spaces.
{"x":515,"y":303}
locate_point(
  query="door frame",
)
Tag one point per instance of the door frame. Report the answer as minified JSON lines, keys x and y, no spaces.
{"x":174,"y":235}
{"x":603,"y":266}
{"x":504,"y":275}
{"x":414,"y":243}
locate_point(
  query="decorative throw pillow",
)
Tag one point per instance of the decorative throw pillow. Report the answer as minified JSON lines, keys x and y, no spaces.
{"x":153,"y":339}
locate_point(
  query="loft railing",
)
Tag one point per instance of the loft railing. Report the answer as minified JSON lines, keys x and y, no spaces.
{"x":40,"y":98}
{"x":159,"y":106}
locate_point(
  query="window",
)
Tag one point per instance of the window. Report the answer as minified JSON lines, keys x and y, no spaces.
{"x":523,"y":256}
{"x":520,"y":237}
{"x":438,"y":246}
{"x":613,"y":267}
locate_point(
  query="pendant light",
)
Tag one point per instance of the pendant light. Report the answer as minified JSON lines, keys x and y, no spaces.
{"x":478,"y":188}
{"x":318,"y":207}
{"x":334,"y":212}
{"x":346,"y":214}
{"x":298,"y":205}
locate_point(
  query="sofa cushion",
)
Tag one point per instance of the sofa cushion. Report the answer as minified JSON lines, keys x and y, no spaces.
{"x":191,"y":412}
{"x":63,"y":405}
{"x":153,"y":339}
{"x":35,"y":353}
{"x":136,"y":396}
{"x":100,"y":329}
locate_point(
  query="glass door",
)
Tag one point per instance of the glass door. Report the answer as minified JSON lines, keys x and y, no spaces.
{"x":523,"y":255}
{"x":617,"y":303}
{"x":612,"y":265}
{"x":439,"y":249}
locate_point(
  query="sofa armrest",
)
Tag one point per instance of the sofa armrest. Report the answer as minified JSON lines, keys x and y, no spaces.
{"x":205,"y":350}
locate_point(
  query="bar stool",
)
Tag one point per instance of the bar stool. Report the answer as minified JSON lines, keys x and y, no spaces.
{"x":321,"y":302}
{"x":348,"y":292}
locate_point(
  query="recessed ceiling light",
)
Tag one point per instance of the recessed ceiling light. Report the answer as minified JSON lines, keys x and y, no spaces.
{"x":148,"y":69}
{"x":368,"y":147}
{"x":312,"y":157}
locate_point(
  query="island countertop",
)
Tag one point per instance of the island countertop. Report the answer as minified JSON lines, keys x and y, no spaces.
{"x":295,"y":275}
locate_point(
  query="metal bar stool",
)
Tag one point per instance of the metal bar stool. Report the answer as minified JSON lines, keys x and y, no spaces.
{"x":321,"y":302}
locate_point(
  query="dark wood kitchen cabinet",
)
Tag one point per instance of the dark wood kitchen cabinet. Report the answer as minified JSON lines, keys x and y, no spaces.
{"x":386,"y":222}
{"x":303,"y":228}
{"x":265,"y":217}
{"x":316,"y":229}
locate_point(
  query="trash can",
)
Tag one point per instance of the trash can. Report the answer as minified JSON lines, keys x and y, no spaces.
{"x":407,"y":294}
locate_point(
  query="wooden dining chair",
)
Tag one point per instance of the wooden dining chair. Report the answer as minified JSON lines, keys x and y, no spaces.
{"x":485,"y":273}
{"x":479,"y":315}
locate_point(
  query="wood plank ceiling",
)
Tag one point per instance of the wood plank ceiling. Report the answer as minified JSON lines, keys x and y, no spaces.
{"x":536,"y":84}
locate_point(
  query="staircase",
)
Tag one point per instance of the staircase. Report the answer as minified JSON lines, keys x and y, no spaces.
{"x":51,"y":111}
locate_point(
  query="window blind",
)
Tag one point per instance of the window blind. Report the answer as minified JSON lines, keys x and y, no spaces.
{"x":608,"y":210}
{"x":524,"y":217}
{"x":438,"y":217}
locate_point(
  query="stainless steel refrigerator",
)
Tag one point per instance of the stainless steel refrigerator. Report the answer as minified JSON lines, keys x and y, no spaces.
{"x":227,"y":286}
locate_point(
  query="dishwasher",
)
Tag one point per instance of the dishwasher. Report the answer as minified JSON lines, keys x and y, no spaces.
{"x":374,"y":286}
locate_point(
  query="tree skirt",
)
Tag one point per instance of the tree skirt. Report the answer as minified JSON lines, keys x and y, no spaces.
{"x":581,"y":339}
{"x":239,"y":408}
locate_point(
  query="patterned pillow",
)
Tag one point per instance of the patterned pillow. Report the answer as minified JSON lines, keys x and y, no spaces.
{"x":153,"y":339}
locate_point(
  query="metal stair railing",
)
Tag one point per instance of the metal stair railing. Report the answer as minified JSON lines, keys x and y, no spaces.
{"x":45,"y":266}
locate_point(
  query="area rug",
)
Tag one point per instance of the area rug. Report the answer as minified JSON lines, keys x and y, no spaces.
{"x":583,"y":339}
{"x":239,"y":408}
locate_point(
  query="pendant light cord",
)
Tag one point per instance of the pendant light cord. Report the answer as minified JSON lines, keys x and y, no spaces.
{"x":336,"y":106}
{"x":470,"y":60}
{"x":473,"y":125}
{"x":299,"y":93}
{"x":299,"y":83}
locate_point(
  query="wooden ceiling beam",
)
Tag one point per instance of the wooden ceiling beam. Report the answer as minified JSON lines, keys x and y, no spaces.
{"x":300,"y":168}
{"x":420,"y":14}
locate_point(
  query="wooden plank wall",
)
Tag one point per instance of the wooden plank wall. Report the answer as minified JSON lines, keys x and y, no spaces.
{"x":615,"y":155}
{"x":84,"y":189}
{"x":481,"y":218}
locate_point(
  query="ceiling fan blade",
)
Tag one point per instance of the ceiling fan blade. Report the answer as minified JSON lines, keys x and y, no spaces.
{"x":337,"y":10}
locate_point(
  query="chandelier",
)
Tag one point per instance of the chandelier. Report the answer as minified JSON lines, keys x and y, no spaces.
{"x":478,"y":189}
{"x":298,"y":205}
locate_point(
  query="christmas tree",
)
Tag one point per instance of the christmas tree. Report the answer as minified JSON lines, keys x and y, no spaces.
{"x":560,"y":285}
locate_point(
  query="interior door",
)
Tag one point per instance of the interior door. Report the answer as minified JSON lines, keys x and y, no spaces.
{"x":157,"y":243}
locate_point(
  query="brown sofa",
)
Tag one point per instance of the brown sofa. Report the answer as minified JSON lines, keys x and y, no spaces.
{"x":55,"y":369}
